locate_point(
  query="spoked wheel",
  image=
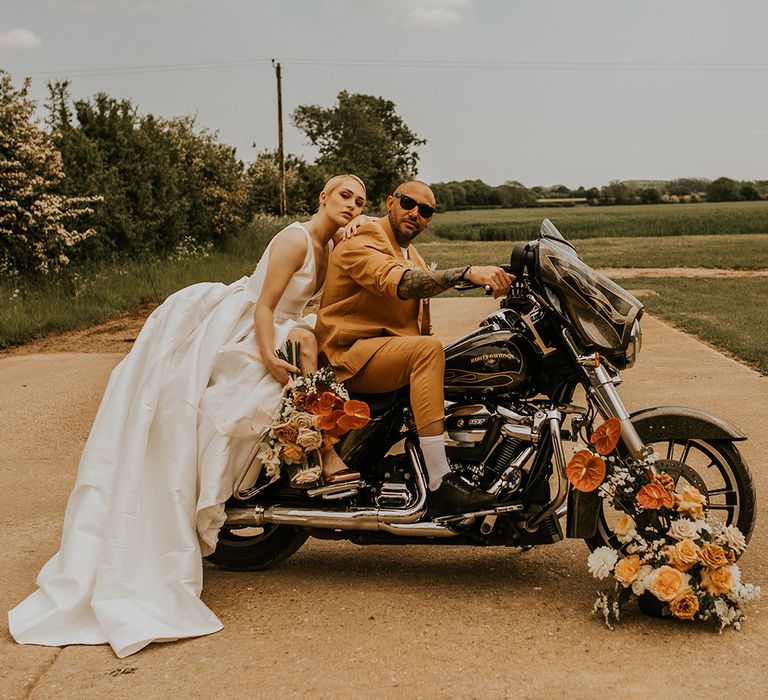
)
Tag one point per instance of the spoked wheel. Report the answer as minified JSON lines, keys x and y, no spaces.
{"x":255,"y":548}
{"x":714,"y":467}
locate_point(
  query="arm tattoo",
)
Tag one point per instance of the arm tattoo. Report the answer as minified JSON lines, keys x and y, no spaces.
{"x":421,"y":284}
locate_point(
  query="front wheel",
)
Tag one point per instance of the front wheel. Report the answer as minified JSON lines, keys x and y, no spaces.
{"x":714,"y":467}
{"x":255,"y":548}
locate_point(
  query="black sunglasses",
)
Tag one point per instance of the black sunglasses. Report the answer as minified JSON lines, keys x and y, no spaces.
{"x":408,"y":203}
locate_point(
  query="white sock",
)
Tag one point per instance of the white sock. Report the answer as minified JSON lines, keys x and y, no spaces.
{"x":435,"y":459}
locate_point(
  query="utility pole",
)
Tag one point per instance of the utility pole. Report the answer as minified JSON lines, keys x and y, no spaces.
{"x":281,"y":152}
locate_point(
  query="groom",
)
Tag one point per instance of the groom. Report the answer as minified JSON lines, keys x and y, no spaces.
{"x":373,"y":326}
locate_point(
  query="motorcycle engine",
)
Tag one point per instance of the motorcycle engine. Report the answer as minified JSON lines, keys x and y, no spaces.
{"x":482,"y":452}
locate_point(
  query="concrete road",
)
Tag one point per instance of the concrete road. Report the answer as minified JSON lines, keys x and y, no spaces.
{"x":338,"y":620}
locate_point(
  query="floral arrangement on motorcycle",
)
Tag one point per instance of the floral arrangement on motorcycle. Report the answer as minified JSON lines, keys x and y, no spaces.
{"x":314,"y":412}
{"x":676,"y":559}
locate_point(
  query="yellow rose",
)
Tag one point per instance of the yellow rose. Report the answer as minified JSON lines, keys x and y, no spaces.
{"x":292,"y":454}
{"x":626,"y":570}
{"x":666,"y":583}
{"x":713,"y":556}
{"x":685,"y":605}
{"x":625,"y":525}
{"x":717,"y":581}
{"x":690,"y":502}
{"x":682,"y":555}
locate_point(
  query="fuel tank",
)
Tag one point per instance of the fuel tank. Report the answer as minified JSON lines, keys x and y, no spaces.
{"x":489,"y":361}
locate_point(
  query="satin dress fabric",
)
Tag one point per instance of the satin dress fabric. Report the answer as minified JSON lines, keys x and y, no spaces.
{"x":178,"y":420}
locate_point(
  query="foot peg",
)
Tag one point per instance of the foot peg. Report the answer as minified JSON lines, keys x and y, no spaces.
{"x":333,"y":492}
{"x":456,"y":517}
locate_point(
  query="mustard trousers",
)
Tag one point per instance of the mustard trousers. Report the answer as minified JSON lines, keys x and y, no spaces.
{"x":417,"y":361}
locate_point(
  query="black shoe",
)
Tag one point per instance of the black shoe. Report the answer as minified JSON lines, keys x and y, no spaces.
{"x":457,"y":496}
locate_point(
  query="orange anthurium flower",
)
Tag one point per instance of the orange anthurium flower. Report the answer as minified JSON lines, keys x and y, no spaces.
{"x":329,"y":402}
{"x":654,"y":496}
{"x":329,"y":420}
{"x":356,"y":415}
{"x":585,"y":471}
{"x":606,"y":437}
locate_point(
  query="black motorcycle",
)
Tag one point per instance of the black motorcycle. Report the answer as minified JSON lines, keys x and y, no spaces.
{"x":540,"y":371}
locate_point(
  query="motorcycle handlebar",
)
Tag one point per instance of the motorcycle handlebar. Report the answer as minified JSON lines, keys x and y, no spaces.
{"x":466,"y":285}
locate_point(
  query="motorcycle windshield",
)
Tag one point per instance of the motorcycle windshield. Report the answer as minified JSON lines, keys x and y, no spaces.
{"x":599,"y":308}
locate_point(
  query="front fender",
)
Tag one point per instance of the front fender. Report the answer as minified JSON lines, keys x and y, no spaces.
{"x":681,"y":422}
{"x":652,"y":424}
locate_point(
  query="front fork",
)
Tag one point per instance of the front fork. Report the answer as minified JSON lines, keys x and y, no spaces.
{"x":602,"y":388}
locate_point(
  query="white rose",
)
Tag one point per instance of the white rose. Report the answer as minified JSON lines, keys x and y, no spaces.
{"x":601,"y":562}
{"x":639,"y":584}
{"x":270,"y":459}
{"x":309,"y":440}
{"x":683,"y":529}
{"x":732,"y":536}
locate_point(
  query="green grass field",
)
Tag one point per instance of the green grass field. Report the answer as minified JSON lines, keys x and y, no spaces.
{"x":729,"y":313}
{"x":738,"y":252}
{"x":32,"y":309}
{"x":599,"y":222}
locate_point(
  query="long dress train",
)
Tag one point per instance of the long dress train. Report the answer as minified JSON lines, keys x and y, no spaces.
{"x":161,"y":459}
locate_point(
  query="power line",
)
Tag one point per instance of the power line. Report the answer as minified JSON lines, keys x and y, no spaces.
{"x":394,"y":63}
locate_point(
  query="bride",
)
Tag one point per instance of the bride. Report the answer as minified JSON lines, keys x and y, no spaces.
{"x":171,"y":437}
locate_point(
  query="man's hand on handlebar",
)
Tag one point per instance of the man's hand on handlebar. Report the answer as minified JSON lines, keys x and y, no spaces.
{"x":494,"y":279}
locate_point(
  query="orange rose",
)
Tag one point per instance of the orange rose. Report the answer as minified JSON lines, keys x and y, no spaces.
{"x":291,"y":454}
{"x":285,"y":432}
{"x":653,"y":496}
{"x":666,"y":583}
{"x":682,"y":555}
{"x":303,"y":400}
{"x":690,"y":501}
{"x":665,"y":480}
{"x":713,"y":556}
{"x":717,"y":581}
{"x":685,"y":605}
{"x":627,"y":568}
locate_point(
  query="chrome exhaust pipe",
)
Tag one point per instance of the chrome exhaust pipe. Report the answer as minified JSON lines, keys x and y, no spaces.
{"x":396,"y":521}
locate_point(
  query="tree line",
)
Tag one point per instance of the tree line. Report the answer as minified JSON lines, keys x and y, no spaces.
{"x":468,"y":194}
{"x":100,"y":181}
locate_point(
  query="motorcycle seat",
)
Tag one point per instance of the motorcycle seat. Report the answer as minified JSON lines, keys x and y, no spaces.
{"x":381,"y":403}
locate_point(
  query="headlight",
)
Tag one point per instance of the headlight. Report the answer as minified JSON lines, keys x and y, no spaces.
{"x":635,"y":343}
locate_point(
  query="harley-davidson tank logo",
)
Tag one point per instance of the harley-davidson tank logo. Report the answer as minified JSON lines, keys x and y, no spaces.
{"x":493,"y":356}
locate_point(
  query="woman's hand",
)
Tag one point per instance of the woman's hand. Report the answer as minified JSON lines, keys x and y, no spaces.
{"x":280,"y":369}
{"x":351,"y":228}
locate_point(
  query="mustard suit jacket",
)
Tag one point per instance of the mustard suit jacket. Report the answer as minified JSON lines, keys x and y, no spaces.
{"x":360,"y":310}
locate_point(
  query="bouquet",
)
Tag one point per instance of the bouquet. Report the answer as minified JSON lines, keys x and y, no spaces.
{"x":678,"y":562}
{"x":314,"y":412}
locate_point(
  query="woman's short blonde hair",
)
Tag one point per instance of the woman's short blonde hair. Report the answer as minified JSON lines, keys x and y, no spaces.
{"x":338,"y":180}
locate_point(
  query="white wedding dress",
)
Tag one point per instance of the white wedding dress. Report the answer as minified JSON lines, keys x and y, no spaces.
{"x":177,"y":423}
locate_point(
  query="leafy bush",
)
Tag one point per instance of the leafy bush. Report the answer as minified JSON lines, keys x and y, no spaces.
{"x":37,"y":229}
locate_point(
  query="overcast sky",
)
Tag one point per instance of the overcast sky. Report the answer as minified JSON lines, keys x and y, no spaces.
{"x":542,"y":91}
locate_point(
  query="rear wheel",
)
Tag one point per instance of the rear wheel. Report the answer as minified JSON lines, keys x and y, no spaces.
{"x":714,"y":467}
{"x":255,"y":548}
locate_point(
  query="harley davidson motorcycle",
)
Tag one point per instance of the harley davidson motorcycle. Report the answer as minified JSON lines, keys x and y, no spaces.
{"x":537,"y":375}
